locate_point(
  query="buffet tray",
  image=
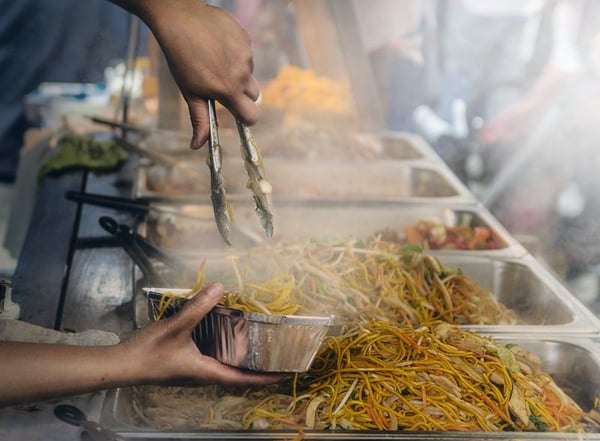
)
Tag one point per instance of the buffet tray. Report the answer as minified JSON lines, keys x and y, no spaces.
{"x":301,"y":180}
{"x":542,"y":304}
{"x":406,"y":146}
{"x":191,"y":228}
{"x":387,"y":144}
{"x":573,"y":362}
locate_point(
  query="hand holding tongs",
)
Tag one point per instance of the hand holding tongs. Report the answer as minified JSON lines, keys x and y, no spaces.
{"x":257,"y":180}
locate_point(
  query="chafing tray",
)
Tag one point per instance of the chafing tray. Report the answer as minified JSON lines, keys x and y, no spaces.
{"x":387,"y":144}
{"x":543,"y":305}
{"x":300,"y":180}
{"x":573,"y":362}
{"x":194,"y":231}
{"x":406,"y":146}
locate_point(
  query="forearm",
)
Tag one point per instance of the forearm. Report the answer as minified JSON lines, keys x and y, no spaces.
{"x":564,"y":60}
{"x":161,"y":353}
{"x":547,"y":86}
{"x":33,"y":372}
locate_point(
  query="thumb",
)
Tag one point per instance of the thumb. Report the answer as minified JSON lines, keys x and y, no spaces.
{"x":199,"y":119}
{"x":200,"y":305}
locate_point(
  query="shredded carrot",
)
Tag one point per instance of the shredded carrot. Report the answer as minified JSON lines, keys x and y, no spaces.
{"x":496,"y":409}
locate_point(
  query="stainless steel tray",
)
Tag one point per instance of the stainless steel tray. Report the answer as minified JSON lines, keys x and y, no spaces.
{"x":542,"y":303}
{"x":387,"y":144}
{"x":300,"y":180}
{"x":406,"y":146}
{"x":573,"y":362}
{"x":315,"y":219}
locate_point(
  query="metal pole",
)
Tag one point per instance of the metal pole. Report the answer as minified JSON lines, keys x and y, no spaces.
{"x":132,"y":52}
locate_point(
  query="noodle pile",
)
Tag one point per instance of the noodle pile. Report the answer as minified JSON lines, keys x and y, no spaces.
{"x":399,"y":365}
{"x":379,"y":376}
{"x":372,"y":280}
{"x":357,"y":281}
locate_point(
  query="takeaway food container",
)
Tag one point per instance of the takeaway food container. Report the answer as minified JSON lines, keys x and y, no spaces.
{"x":259,"y":342}
{"x":573,"y":363}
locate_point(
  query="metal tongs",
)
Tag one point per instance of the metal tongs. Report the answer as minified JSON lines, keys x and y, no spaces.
{"x":73,"y":415}
{"x":172,"y":271}
{"x":257,"y":180}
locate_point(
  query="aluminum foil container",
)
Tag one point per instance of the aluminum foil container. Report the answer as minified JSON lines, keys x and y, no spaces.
{"x":260,"y":342}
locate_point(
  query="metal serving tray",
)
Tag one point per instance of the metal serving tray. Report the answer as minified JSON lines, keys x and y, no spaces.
{"x":387,"y":144}
{"x":542,"y":303}
{"x":301,"y":180}
{"x":315,"y":219}
{"x":406,"y":146}
{"x":573,"y":362}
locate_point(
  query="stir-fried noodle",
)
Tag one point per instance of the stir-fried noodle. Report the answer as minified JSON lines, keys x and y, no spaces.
{"x":379,"y":376}
{"x":399,"y":365}
{"x":358,"y":281}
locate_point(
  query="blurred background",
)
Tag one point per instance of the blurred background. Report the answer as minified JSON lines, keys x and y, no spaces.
{"x":505,"y":92}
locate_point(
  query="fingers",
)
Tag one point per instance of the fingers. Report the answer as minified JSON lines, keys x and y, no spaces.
{"x":188,"y":365}
{"x":245,"y":108}
{"x":252,"y":90}
{"x":200,"y":305}
{"x":200,"y":124}
{"x":244,"y":105}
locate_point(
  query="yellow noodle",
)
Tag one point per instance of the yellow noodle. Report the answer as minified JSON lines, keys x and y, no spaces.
{"x":359,"y":383}
{"x":397,"y":366}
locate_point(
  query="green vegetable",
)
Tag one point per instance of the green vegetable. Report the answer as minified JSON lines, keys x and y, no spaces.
{"x":81,"y":152}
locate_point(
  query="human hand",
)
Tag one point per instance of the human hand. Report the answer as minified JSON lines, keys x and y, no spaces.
{"x":209,"y":55}
{"x":161,"y":353}
{"x":165,"y":353}
{"x":511,"y":125}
